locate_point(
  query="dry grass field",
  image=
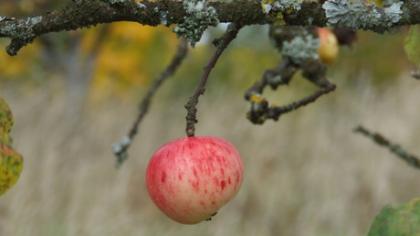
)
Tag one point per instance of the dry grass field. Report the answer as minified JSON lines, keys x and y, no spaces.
{"x":306,"y":175}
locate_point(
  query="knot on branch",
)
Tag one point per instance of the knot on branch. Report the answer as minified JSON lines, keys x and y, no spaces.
{"x":21,"y":32}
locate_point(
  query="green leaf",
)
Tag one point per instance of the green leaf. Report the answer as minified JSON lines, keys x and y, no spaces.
{"x":403,"y":220}
{"x":412,"y":45}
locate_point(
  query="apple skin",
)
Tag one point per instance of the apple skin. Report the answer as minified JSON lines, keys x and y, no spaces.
{"x":328,"y":46}
{"x":190,"y":178}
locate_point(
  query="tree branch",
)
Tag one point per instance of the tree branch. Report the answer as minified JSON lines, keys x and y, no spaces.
{"x":120,"y":149}
{"x":396,"y":149}
{"x":312,"y":69}
{"x":86,"y":13}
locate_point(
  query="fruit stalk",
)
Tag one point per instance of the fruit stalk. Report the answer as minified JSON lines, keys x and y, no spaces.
{"x":192,"y":103}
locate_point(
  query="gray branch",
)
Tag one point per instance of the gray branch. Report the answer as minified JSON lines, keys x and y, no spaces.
{"x":86,"y":13}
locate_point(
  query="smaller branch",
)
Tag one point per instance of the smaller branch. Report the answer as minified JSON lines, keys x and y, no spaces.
{"x":281,"y":75}
{"x":396,"y":149}
{"x":192,"y":103}
{"x":313,"y":70}
{"x":416,"y":74}
{"x":275,"y":112}
{"x":120,"y":149}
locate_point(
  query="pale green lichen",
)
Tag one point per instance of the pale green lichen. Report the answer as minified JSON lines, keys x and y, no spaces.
{"x":199,"y":16}
{"x":361,"y":15}
{"x":301,"y":49}
{"x":281,"y":5}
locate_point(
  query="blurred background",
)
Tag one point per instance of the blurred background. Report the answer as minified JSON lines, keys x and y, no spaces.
{"x":74,"y":94}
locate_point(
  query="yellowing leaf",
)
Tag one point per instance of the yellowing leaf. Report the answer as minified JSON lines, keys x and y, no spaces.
{"x":6,"y":121}
{"x":20,"y":65}
{"x":132,"y":31}
{"x":128,"y":59}
{"x":11,"y":165}
{"x":11,"y":162}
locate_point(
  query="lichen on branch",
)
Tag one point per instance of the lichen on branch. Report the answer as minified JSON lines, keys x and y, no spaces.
{"x":301,"y":49}
{"x":199,"y":16}
{"x":281,"y":5}
{"x":194,"y":16}
{"x":361,"y":14}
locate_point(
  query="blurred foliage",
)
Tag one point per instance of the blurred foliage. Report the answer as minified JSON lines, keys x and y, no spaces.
{"x":19,"y":67}
{"x":130,"y":57}
{"x":412,"y":45}
{"x":28,"y":7}
{"x":380,"y":58}
{"x":403,"y":220}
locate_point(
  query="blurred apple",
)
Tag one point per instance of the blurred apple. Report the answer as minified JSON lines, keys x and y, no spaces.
{"x":328,"y":46}
{"x":191,"y":178}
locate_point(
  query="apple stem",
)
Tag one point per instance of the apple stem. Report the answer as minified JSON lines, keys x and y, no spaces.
{"x":192,"y":103}
{"x":211,"y":217}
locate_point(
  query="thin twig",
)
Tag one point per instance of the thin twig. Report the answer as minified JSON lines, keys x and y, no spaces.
{"x":396,"y":149}
{"x":191,"y":105}
{"x":275,"y":112}
{"x":313,"y":71}
{"x":281,"y":75}
{"x":120,"y":149}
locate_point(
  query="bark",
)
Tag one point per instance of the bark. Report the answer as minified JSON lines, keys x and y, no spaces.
{"x":85,"y":13}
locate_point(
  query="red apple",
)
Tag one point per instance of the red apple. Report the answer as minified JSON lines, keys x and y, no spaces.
{"x":328,"y":46}
{"x":190,"y":178}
